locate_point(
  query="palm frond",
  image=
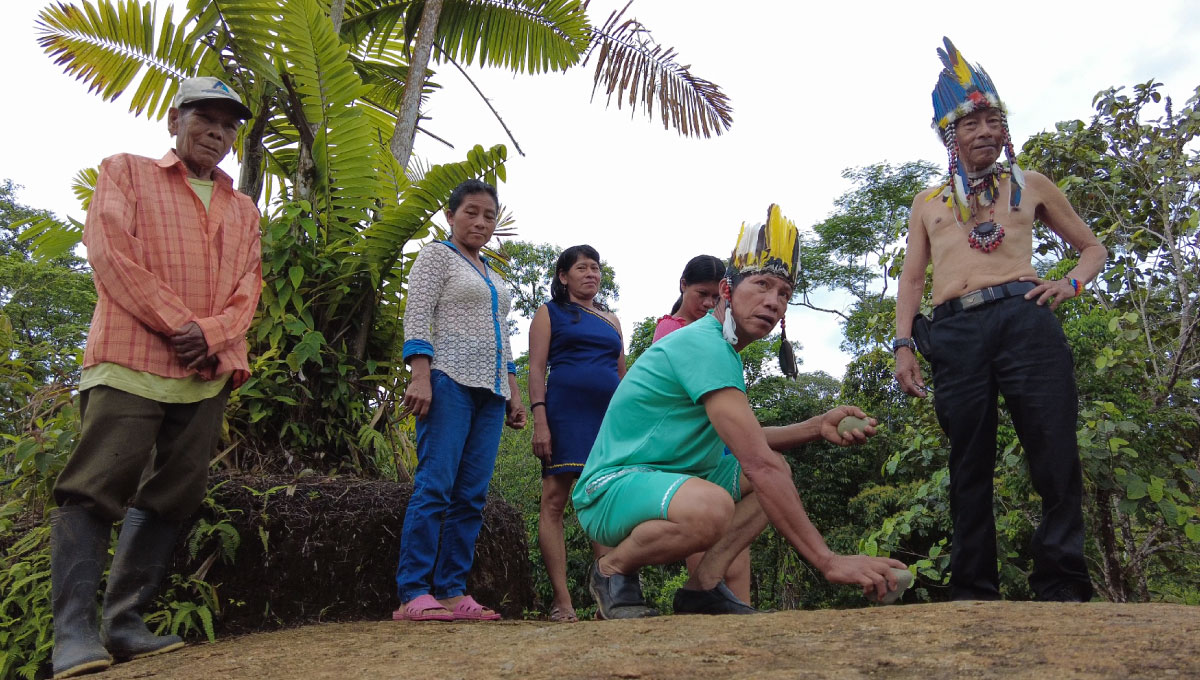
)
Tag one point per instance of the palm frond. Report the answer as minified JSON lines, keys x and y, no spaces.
{"x":636,"y":70}
{"x":49,"y":238}
{"x":84,"y":185}
{"x":525,"y":36}
{"x":245,"y":31}
{"x":344,"y":143}
{"x":110,"y":45}
{"x":387,"y":83}
{"x":369,"y":23}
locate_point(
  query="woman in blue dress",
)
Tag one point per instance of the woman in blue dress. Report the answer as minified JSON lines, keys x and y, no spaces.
{"x":581,"y":343}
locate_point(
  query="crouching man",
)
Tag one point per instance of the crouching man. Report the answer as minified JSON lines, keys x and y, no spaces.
{"x":658,"y":485}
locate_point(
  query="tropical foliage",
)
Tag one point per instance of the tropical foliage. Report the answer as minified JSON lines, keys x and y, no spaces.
{"x":327,"y":155}
{"x":327,"y":83}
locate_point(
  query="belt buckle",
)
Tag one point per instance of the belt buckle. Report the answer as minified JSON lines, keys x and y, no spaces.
{"x":972,"y":299}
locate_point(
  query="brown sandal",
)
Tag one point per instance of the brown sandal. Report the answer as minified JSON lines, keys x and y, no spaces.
{"x":559,"y":615}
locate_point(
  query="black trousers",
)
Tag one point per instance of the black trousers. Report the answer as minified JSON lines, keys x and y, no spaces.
{"x":1016,"y":348}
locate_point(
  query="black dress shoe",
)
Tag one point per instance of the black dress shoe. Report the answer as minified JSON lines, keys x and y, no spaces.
{"x":618,"y":596}
{"x":1068,"y":592}
{"x":719,"y":600}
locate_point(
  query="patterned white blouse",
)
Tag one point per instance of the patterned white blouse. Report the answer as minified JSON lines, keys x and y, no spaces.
{"x":458,"y":317}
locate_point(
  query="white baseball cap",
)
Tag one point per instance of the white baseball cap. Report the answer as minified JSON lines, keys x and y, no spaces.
{"x":207,"y":88}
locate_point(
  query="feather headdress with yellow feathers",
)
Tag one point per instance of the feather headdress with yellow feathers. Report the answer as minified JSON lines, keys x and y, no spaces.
{"x":770,"y":248}
{"x":961,"y":90}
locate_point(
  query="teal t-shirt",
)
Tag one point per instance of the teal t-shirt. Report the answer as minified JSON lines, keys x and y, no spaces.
{"x":656,"y":419}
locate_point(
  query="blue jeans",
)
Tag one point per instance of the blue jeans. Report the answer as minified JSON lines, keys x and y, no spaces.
{"x":457,"y":442}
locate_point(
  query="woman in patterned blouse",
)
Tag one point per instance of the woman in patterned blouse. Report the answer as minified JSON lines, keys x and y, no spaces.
{"x":463,"y":387}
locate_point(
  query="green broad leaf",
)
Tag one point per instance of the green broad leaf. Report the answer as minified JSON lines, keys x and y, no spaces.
{"x":296,"y":275}
{"x":1192,"y":531}
{"x":1135,"y":487}
{"x":1127,"y":506}
{"x":1170,"y":511}
{"x":295,"y":326}
{"x":1155,"y":489}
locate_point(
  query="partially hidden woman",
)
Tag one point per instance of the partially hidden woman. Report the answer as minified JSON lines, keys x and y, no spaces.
{"x":699,"y":292}
{"x":463,"y":388}
{"x":581,"y":343}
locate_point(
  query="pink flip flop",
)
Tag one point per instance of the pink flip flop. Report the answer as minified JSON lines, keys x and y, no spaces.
{"x":423,"y":608}
{"x":468,"y":609}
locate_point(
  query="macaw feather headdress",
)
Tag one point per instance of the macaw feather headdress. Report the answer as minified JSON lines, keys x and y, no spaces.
{"x":770,"y":248}
{"x":961,"y":90}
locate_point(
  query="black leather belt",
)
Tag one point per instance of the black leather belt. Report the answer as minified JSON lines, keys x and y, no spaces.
{"x":981,"y":297}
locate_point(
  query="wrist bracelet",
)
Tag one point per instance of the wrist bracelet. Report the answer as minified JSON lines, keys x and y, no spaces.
{"x":1076,"y":286}
{"x":537,"y":404}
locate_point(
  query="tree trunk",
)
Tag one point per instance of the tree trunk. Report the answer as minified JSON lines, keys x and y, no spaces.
{"x":250,"y":180}
{"x":406,"y":122}
{"x":337,"y":10}
{"x":1110,"y":564}
{"x":406,"y":129}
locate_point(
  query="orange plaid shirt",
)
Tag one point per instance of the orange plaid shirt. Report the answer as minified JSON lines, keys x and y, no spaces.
{"x":160,"y":261}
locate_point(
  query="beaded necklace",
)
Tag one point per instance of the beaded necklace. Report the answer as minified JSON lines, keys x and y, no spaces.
{"x":985,"y":190}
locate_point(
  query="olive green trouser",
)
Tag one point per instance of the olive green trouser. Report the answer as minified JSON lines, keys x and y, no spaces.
{"x":152,"y":452}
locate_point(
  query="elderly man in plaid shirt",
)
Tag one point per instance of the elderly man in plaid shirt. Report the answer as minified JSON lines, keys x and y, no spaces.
{"x":176,"y":258}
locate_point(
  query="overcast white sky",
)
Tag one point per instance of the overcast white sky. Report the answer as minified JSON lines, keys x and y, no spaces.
{"x":815,"y":88}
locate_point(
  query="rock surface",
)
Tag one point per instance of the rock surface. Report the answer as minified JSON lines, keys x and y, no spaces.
{"x":946,"y":640}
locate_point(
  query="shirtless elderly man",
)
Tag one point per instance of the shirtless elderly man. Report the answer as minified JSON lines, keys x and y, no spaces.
{"x":658,"y":485}
{"x":994,"y":332}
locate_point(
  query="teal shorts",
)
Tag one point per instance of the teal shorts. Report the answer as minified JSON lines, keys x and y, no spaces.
{"x":639,"y":494}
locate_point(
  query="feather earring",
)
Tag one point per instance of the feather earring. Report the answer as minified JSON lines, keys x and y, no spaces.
{"x":728,"y":327}
{"x":787,"y":355}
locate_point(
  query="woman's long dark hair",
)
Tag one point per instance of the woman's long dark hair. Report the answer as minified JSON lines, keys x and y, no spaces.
{"x":566,"y":260}
{"x":700,"y":269}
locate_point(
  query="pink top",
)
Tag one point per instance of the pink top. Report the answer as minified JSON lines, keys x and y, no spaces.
{"x":667,"y":325}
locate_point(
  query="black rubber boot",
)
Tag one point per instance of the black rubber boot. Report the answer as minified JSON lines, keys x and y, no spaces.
{"x":143,"y":550}
{"x":78,"y":551}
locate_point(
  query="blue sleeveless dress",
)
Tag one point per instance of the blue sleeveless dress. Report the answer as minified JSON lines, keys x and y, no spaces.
{"x":582,"y":365}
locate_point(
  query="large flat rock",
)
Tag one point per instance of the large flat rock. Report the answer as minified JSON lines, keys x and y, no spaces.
{"x":947,"y":640}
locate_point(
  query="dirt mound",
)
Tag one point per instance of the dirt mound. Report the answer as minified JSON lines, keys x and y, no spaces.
{"x":946,"y":640}
{"x":321,"y":549}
